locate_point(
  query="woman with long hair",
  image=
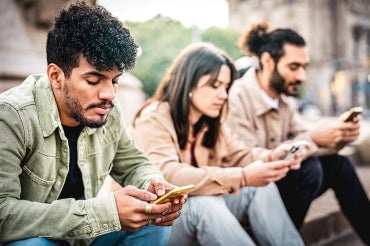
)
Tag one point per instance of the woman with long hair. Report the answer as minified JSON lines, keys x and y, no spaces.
{"x":181,"y":130}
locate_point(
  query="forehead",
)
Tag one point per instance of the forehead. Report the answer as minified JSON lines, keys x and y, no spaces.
{"x":84,"y":67}
{"x":295,"y":54}
{"x":224,"y":74}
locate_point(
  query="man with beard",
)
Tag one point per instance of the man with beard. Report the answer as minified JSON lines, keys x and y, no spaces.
{"x":62,"y":134}
{"x":263,"y":112}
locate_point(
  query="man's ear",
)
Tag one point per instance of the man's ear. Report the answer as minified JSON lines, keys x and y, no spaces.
{"x":55,"y":75}
{"x":267,"y":62}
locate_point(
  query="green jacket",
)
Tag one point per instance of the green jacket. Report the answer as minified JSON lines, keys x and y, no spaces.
{"x":34,"y":162}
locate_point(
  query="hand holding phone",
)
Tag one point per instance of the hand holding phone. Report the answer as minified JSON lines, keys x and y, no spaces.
{"x":350,"y":114}
{"x":296,"y":146}
{"x":175,"y":193}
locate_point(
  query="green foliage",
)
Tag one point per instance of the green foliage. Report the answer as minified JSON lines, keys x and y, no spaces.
{"x":225,"y":39}
{"x":161,"y":39}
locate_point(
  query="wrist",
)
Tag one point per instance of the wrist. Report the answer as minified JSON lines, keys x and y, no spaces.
{"x":243,"y":179}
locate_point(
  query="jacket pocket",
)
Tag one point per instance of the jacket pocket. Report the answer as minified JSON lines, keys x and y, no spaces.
{"x":34,"y":188}
{"x":103,"y":175}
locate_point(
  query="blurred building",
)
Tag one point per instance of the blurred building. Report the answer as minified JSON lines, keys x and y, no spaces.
{"x":338,"y":37}
{"x":24,"y":25}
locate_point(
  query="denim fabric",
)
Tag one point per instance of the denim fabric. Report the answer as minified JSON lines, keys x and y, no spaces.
{"x":34,"y":156}
{"x":34,"y":241}
{"x":149,"y":235}
{"x":215,"y":220}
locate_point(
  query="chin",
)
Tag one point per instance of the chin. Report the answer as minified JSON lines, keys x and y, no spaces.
{"x":213,"y":115}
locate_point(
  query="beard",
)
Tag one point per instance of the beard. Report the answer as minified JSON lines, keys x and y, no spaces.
{"x":281,"y":86}
{"x":76,"y":110}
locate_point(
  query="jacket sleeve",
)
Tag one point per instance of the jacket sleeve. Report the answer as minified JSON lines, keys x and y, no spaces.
{"x":236,"y":152}
{"x":19,"y":219}
{"x":131,"y":166}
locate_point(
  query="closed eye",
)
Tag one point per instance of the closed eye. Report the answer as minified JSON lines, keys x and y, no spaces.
{"x":92,"y":82}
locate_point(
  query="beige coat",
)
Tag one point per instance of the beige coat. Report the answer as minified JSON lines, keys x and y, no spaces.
{"x":257,"y":123}
{"x":219,"y":169}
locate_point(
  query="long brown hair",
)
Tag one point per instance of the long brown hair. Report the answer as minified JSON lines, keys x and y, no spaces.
{"x":191,"y":64}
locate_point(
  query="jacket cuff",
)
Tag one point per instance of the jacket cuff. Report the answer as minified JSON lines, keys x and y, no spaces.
{"x":102,"y":214}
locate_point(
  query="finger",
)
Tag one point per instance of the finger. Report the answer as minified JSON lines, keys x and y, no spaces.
{"x":295,"y":167}
{"x":277,"y":174}
{"x":148,"y":208}
{"x":156,"y":209}
{"x":276,"y":165}
{"x":357,"y":119}
{"x":158,"y":187}
{"x":167,"y":219}
{"x":138,"y":193}
{"x":282,"y":164}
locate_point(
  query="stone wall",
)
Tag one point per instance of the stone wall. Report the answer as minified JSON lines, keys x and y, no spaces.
{"x":24,"y":25}
{"x":338,"y":36}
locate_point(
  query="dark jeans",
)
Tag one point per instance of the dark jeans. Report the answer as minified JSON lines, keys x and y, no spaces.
{"x":148,"y":235}
{"x":300,"y":187}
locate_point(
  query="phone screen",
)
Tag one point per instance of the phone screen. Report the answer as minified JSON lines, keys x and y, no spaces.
{"x":174,"y":193}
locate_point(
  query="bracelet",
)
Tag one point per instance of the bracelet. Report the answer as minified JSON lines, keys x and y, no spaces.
{"x":244,"y":178}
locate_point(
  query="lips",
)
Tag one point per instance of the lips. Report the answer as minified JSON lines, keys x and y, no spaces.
{"x":102,"y":110}
{"x":218,"y":105}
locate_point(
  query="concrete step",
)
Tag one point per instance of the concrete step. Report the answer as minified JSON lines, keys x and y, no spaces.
{"x":326,"y":225}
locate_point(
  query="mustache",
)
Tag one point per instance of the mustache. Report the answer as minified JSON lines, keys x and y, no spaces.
{"x":297,"y":82}
{"x":104,"y":103}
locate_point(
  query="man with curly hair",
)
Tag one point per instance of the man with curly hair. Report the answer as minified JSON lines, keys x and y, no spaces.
{"x":263,"y":112}
{"x":62,"y":136}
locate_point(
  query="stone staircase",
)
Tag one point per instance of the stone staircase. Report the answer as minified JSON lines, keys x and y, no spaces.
{"x":325,"y":224}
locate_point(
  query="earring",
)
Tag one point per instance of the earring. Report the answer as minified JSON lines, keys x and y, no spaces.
{"x":190,"y":95}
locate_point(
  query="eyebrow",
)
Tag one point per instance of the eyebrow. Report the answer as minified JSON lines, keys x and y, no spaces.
{"x":298,"y":64}
{"x":99,"y":74}
{"x":223,"y":82}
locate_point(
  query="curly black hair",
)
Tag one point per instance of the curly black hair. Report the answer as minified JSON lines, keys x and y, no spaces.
{"x":91,"y":32}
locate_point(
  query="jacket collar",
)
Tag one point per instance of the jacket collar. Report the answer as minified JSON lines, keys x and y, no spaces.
{"x":47,"y":108}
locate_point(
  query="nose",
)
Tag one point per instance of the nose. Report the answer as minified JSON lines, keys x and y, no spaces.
{"x":108,"y":92}
{"x":301,"y":75}
{"x":222,"y":93}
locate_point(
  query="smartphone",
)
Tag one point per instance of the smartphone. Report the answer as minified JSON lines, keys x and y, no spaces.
{"x":175,"y":193}
{"x":350,"y":114}
{"x":296,"y":146}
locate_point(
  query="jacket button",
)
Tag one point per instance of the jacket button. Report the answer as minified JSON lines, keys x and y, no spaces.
{"x":105,"y":226}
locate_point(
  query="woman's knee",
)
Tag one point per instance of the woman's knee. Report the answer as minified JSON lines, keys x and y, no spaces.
{"x":204,"y":205}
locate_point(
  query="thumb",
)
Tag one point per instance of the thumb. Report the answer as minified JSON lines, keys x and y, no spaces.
{"x":137,"y":193}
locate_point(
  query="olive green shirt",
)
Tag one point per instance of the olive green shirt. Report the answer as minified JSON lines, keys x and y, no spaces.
{"x":34,"y":162}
